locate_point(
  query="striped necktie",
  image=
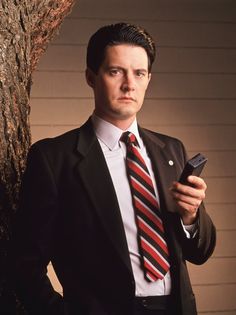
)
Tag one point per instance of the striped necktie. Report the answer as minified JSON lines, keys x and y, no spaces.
{"x":152,"y":244}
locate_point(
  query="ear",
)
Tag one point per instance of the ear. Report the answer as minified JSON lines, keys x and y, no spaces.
{"x":90,"y":77}
{"x":149,"y":78}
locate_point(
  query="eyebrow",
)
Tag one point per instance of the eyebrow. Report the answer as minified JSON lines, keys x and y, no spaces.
{"x":122,"y":68}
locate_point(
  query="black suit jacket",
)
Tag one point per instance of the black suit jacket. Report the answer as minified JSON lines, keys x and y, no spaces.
{"x":69,"y":215}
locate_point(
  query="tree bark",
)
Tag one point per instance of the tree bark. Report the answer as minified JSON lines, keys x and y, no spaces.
{"x":26,"y":28}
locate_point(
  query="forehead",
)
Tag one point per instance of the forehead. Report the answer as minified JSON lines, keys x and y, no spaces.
{"x":124,"y":55}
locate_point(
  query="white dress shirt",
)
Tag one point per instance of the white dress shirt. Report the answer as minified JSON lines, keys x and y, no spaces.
{"x":114,"y":152}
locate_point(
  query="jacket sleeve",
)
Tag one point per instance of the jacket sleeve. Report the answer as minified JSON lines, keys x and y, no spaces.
{"x":198,"y":249}
{"x":32,"y":238}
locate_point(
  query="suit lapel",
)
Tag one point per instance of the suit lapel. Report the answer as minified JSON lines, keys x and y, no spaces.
{"x":165,"y":169}
{"x":163,"y":163}
{"x":94,"y":173}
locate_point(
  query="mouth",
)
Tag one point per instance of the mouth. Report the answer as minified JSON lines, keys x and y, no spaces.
{"x":126,"y":98}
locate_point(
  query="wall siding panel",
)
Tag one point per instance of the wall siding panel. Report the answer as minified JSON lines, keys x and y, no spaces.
{"x":216,"y":270}
{"x":194,"y":10}
{"x":210,"y":299}
{"x":166,"y":33}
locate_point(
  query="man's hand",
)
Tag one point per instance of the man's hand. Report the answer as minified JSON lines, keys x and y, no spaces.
{"x":188,"y":198}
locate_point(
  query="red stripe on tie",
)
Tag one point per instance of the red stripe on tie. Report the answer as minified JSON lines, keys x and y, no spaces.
{"x":151,"y":276}
{"x":156,"y":273}
{"x":158,"y":258}
{"x":151,"y":234}
{"x":140,"y":172}
{"x":148,"y":213}
{"x":143,"y":192}
{"x":138,"y":155}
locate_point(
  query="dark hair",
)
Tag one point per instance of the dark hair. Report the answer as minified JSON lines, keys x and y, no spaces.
{"x":116,"y":34}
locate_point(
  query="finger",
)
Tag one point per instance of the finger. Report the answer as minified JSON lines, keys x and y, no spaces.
{"x":194,"y":192}
{"x":185,"y":208}
{"x":188,"y":200}
{"x":197,"y":182}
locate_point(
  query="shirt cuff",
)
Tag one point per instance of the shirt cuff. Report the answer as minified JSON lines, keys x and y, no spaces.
{"x":190,"y":230}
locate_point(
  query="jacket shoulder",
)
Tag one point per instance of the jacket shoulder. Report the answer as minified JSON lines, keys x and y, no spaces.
{"x":163,"y":139}
{"x":62,"y":142}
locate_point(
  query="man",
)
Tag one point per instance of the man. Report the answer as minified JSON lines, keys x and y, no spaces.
{"x":103,"y":204}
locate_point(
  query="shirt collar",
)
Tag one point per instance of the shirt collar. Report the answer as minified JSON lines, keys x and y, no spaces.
{"x":109,"y":134}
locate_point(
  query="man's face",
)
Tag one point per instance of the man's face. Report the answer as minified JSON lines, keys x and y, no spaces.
{"x":120,"y":84}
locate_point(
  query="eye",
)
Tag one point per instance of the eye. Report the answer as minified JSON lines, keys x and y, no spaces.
{"x":114,"y":72}
{"x":140,"y":73}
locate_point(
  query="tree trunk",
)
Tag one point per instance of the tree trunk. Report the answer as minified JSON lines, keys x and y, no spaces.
{"x":26,"y":27}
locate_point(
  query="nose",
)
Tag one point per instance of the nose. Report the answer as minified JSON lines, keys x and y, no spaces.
{"x":128,"y":83}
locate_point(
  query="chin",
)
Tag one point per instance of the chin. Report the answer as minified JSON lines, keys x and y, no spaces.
{"x":127,"y":114}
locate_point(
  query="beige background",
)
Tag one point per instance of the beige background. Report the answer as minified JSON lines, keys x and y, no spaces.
{"x":192,"y":96}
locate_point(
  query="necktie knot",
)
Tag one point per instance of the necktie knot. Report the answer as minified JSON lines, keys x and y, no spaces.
{"x":129,"y":138}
